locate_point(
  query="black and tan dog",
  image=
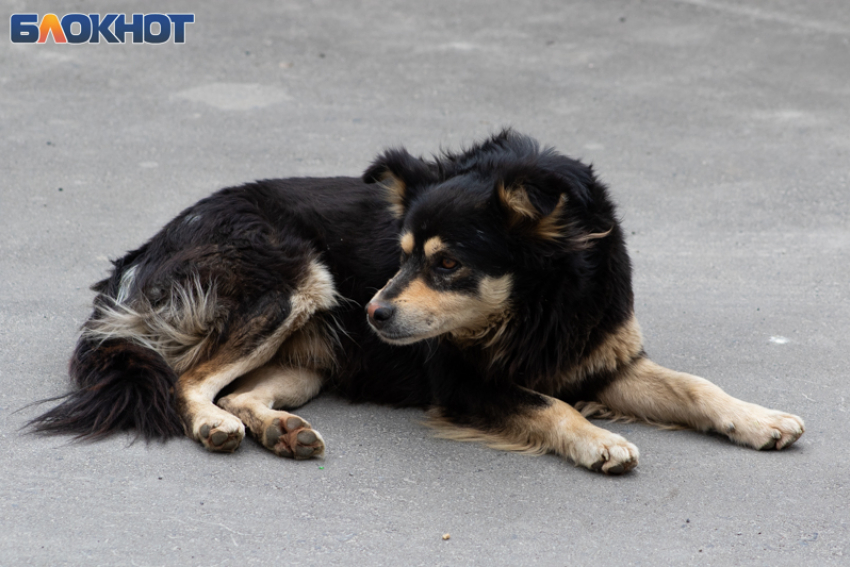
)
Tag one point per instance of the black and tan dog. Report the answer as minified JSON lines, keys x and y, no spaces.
{"x":497,"y":292}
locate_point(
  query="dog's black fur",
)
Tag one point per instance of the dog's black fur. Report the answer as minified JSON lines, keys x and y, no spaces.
{"x":505,"y":208}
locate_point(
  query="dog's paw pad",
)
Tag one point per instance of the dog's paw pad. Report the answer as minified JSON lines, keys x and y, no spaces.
{"x":617,"y":469}
{"x":221,"y":437}
{"x":294,"y":438}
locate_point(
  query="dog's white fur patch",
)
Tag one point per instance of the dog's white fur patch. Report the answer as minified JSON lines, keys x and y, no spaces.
{"x":179,"y":328}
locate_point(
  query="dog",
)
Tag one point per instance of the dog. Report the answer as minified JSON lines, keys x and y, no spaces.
{"x":491,"y":286}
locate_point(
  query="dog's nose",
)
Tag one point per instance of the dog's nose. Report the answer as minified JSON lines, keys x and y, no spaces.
{"x":379,"y":312}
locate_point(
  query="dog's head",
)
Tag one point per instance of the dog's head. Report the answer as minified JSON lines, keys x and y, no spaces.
{"x":475,"y":226}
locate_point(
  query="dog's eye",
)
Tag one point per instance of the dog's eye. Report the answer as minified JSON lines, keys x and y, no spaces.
{"x":448,"y":265}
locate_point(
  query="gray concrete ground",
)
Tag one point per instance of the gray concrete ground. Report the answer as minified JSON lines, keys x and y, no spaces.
{"x":723,"y":128}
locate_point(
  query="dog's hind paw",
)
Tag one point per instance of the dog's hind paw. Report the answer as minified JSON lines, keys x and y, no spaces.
{"x":762,"y":428}
{"x":290,"y":436}
{"x":220,"y":435}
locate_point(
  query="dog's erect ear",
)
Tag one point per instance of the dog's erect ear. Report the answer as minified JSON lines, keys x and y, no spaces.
{"x":535,"y":206}
{"x":400,"y":174}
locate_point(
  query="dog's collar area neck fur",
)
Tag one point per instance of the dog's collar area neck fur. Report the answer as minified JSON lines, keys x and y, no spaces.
{"x":487,"y":336}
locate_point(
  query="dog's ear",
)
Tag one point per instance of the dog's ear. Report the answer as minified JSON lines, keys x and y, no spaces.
{"x":400,"y":174}
{"x":534,"y":204}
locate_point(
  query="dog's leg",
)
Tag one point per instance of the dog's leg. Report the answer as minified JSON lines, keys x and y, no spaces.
{"x":275,"y":386}
{"x":255,"y":338}
{"x":653,"y":393}
{"x":529,"y":422}
{"x":203,"y":421}
{"x":216,"y":429}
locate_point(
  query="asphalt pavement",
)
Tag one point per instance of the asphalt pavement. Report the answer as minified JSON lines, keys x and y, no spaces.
{"x":723,"y":130}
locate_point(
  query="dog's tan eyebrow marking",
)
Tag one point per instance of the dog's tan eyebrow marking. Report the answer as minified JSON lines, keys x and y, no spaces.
{"x":433,"y":245}
{"x":407,"y":242}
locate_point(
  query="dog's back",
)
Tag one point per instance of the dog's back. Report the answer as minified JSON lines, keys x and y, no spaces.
{"x":222,"y":265}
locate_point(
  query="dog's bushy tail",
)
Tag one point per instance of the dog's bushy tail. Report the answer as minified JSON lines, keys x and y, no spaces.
{"x":122,"y":385}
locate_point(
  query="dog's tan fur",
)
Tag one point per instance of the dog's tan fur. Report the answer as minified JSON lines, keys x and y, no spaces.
{"x":652,"y":393}
{"x":522,"y":212}
{"x":394,"y":189}
{"x":557,"y":428}
{"x":496,"y":293}
{"x":616,"y":352}
{"x":516,"y":200}
{"x":258,"y":400}
{"x":197,"y":388}
{"x":312,"y":346}
{"x":433,"y":246}
{"x":430,"y":313}
{"x":642,"y":391}
{"x":552,"y":226}
{"x":407,"y":242}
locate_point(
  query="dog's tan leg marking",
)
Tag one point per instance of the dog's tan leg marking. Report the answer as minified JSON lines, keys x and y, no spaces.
{"x":617,"y":351}
{"x":274,"y":386}
{"x":569,"y":434}
{"x":653,"y":393}
{"x":215,"y":428}
{"x":556,"y":428}
{"x":203,"y":421}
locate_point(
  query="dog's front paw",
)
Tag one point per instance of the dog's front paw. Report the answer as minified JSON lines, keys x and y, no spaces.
{"x":762,"y":428}
{"x":291,"y":436}
{"x":220,"y":434}
{"x":605,"y":452}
